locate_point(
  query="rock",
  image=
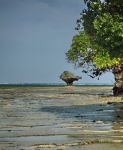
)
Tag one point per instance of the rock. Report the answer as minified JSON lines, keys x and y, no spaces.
{"x":118,"y":116}
{"x":94,"y":120}
{"x":69,"y":77}
{"x":99,"y":110}
{"x":109,"y":103}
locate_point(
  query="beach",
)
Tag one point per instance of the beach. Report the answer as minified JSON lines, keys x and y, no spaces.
{"x":60,"y":118}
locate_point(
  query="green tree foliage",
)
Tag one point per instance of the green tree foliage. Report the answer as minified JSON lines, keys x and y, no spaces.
{"x":99,"y":41}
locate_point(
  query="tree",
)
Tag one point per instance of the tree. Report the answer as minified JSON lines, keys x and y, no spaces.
{"x":69,"y":77}
{"x":98,"y":45}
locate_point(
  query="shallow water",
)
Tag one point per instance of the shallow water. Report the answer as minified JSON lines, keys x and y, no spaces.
{"x":34,"y":118}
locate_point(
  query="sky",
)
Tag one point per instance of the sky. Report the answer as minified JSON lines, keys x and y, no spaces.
{"x":34,"y":37}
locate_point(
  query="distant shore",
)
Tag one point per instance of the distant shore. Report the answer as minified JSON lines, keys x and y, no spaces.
{"x":50,"y":84}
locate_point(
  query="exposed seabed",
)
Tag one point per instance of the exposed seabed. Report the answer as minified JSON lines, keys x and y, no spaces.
{"x":60,"y":118}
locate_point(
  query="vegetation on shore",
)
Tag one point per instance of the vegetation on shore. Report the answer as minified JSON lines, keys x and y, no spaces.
{"x":98,"y":45}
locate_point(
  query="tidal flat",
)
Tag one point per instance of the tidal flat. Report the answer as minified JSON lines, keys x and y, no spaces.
{"x":60,"y":118}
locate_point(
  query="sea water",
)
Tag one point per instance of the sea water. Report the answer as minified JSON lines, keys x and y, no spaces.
{"x":53,"y":117}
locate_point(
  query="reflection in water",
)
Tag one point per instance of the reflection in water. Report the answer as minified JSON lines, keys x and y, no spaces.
{"x":50,"y":117}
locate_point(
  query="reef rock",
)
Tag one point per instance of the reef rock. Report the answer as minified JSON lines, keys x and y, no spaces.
{"x":69,"y":77}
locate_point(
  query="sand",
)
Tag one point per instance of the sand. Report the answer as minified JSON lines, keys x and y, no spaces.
{"x":60,"y":118}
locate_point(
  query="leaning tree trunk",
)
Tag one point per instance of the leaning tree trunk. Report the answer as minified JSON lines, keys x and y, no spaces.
{"x":118,"y":74}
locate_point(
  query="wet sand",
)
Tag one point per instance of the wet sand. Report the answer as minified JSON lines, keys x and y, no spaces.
{"x":60,"y":118}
